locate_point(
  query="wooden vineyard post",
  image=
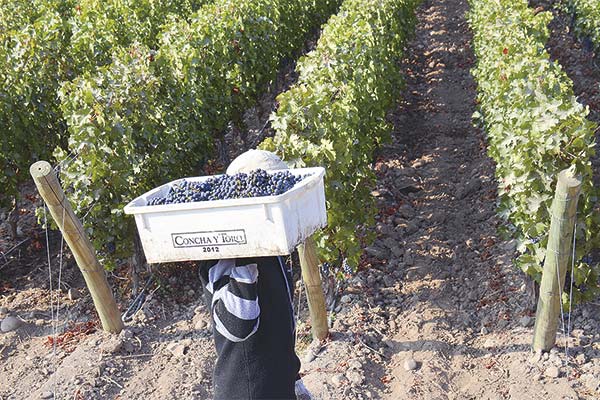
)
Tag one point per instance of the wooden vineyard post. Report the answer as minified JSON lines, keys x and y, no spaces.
{"x":47,"y":184}
{"x":314,"y":290}
{"x":558,"y":255}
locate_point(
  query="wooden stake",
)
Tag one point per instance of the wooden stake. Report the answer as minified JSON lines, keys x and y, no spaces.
{"x":558,"y":255}
{"x":13,"y":218}
{"x":72,"y":230}
{"x":314,"y":290}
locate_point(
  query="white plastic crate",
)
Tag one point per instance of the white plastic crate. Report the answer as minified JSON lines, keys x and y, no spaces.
{"x":248,"y":227}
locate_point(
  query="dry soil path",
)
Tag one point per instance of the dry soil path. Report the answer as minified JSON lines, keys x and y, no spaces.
{"x":468,"y":322}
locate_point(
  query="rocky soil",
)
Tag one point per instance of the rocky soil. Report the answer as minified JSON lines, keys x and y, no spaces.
{"x":437,"y":311}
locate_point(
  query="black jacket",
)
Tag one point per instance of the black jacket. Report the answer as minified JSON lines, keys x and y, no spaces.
{"x":253,"y":326}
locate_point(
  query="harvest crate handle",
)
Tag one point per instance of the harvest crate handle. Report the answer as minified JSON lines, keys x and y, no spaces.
{"x":53,"y":195}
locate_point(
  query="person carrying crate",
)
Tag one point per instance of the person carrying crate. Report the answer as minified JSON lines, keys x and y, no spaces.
{"x":250,"y":302}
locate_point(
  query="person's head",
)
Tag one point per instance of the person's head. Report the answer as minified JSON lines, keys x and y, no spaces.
{"x":255,"y":159}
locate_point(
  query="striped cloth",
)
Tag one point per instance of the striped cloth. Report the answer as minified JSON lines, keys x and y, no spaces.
{"x":235,"y":307}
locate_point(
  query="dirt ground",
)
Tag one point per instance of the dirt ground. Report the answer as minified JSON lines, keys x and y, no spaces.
{"x":440,"y":312}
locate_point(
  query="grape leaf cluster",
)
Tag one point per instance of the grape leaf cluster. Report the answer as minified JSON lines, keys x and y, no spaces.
{"x":257,"y":183}
{"x":316,"y":123}
{"x":586,"y":15}
{"x":535,"y":128}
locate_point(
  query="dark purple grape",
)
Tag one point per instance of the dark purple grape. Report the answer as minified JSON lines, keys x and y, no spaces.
{"x":257,"y":183}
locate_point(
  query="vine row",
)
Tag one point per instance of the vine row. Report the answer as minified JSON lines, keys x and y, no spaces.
{"x":335,"y":115}
{"x":152,"y":115}
{"x":44,"y":43}
{"x":586,"y":18}
{"x":535,"y":128}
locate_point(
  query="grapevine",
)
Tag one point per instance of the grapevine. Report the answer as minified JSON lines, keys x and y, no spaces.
{"x":335,"y":115}
{"x":536,"y":128}
{"x":151,"y":115}
{"x":586,"y":14}
{"x":45,"y":43}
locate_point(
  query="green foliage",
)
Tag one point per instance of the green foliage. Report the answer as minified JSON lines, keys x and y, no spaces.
{"x":535,"y":129}
{"x":151,"y":116}
{"x":335,"y":115}
{"x":44,"y":43}
{"x":114,"y":125}
{"x":33,"y":62}
{"x":100,"y":26}
{"x":587,"y":19}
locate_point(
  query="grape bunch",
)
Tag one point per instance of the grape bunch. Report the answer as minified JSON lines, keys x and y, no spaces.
{"x":257,"y":183}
